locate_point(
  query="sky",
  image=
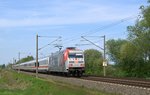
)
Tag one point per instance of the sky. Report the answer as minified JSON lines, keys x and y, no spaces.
{"x":61,"y":22}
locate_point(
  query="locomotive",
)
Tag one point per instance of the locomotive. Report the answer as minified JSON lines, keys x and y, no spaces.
{"x":69,"y":62}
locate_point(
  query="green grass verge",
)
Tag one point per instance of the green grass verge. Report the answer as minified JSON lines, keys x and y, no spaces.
{"x":12,"y":83}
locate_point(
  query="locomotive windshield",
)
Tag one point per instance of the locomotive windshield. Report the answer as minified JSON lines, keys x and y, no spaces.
{"x":75,"y":55}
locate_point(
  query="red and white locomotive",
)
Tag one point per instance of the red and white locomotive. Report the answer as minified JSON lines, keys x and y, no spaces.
{"x":69,"y":61}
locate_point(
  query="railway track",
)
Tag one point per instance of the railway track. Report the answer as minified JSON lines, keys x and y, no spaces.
{"x":144,"y":83}
{"x":124,"y":81}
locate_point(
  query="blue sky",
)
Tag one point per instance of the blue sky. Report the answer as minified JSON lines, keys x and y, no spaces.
{"x":21,"y":20}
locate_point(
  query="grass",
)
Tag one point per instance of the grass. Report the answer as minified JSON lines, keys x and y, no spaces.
{"x":12,"y":83}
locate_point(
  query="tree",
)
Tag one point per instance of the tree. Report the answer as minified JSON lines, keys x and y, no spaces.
{"x":93,"y":61}
{"x":113,"y":49}
{"x":131,"y":60}
{"x":139,"y":35}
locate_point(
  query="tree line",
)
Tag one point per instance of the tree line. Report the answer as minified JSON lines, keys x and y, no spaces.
{"x":2,"y":66}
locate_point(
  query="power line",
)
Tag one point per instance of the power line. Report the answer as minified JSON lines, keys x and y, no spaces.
{"x":49,"y":36}
{"x":91,"y":42}
{"x":49,"y":43}
{"x":100,"y":28}
{"x":110,"y":25}
{"x":82,"y":44}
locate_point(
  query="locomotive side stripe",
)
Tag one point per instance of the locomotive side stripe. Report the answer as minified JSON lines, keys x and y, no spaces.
{"x":66,"y":55}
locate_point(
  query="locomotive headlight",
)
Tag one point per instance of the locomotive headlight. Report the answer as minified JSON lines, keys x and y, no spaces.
{"x":82,"y":65}
{"x":70,"y":65}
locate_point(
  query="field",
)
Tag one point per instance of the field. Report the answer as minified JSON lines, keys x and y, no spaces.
{"x":12,"y":83}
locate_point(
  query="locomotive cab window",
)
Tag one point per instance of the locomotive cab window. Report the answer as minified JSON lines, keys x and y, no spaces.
{"x":75,"y":55}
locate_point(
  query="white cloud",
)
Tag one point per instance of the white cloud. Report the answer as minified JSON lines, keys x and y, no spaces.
{"x":69,"y":13}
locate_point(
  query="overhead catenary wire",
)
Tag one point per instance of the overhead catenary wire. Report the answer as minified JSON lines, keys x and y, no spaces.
{"x":110,"y":25}
{"x":87,"y":33}
{"x":50,"y":42}
{"x":50,"y":36}
{"x":99,"y":29}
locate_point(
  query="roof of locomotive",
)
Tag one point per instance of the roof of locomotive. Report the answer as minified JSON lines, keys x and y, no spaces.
{"x":72,"y":48}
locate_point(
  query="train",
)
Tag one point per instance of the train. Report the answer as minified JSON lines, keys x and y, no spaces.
{"x":69,"y":62}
